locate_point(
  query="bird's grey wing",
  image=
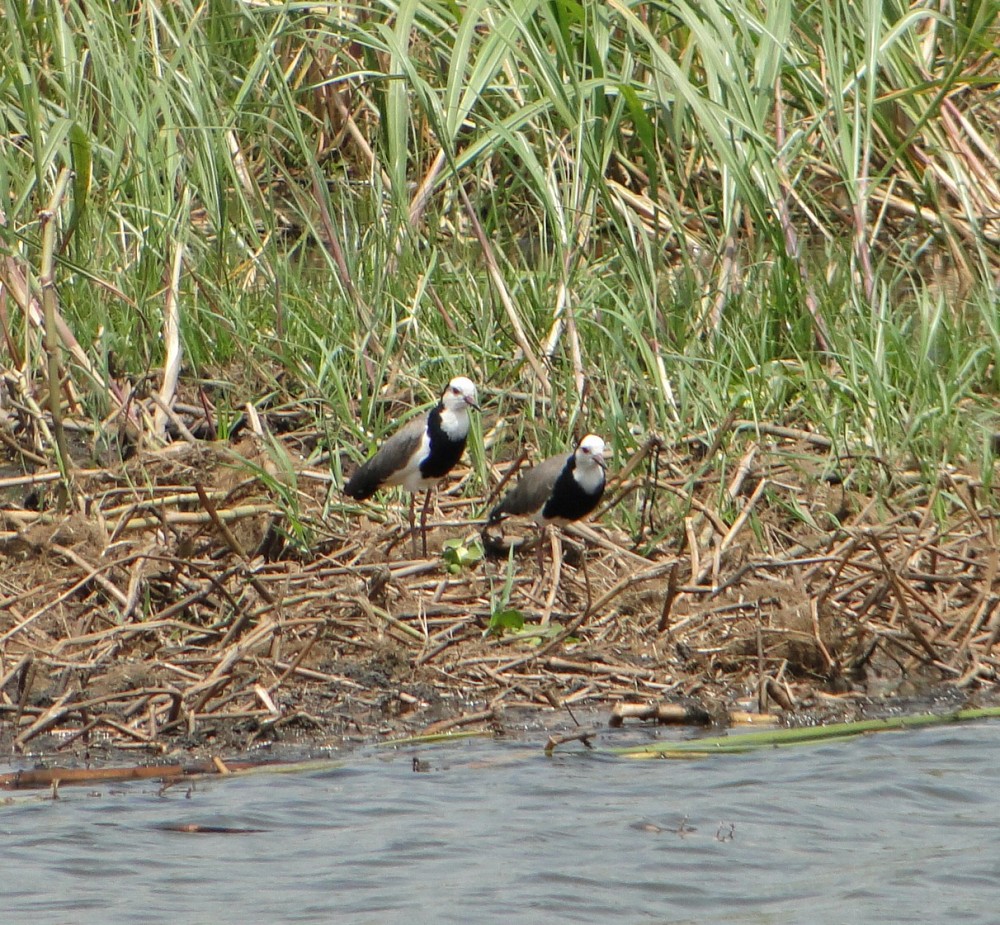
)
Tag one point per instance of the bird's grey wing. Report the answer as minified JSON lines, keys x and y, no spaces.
{"x":388,"y":461}
{"x":532,"y":489}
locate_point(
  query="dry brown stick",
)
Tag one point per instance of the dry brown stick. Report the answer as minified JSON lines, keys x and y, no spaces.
{"x":466,"y":719}
{"x":778,"y":430}
{"x":512,"y":470}
{"x":82,"y":732}
{"x":127,"y":731}
{"x":731,"y":534}
{"x":405,"y":628}
{"x":432,"y":653}
{"x":555,"y":551}
{"x":743,"y":469}
{"x":985,"y":610}
{"x":692,"y":542}
{"x":703,"y":510}
{"x":979,"y":607}
{"x":583,"y":735}
{"x":310,"y":674}
{"x":24,"y":453}
{"x":604,"y":669}
{"x":674,"y":713}
{"x":23,"y":666}
{"x":40,"y":478}
{"x":668,"y":599}
{"x":166,"y":518}
{"x":232,"y":543}
{"x":160,"y":496}
{"x":589,"y":534}
{"x":44,"y":777}
{"x":25,"y":683}
{"x":136,"y":583}
{"x":994,"y":628}
{"x":299,"y":658}
{"x":423,"y":192}
{"x":47,"y":222}
{"x":93,"y":572}
{"x":897,"y":639}
{"x":814,"y":614}
{"x":165,"y":412}
{"x":841,"y":556}
{"x":171,"y":342}
{"x":34,"y":778}
{"x":165,"y":616}
{"x":901,"y":597}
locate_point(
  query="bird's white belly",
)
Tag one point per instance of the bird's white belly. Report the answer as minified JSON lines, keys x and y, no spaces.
{"x":409,"y":476}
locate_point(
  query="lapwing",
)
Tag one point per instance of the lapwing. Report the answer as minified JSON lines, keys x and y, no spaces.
{"x":418,"y":455}
{"x":559,"y":490}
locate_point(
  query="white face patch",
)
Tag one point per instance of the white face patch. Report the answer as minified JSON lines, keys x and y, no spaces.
{"x":455,"y":421}
{"x":588,"y":475}
{"x":456,"y":401}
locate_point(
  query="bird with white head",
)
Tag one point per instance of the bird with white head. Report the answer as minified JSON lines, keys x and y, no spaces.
{"x":559,"y":490}
{"x":418,"y":455}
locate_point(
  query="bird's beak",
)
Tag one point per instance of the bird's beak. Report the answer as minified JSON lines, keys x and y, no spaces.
{"x":472,"y":403}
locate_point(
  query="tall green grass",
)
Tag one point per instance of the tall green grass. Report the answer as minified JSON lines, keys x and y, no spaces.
{"x":787,"y":210}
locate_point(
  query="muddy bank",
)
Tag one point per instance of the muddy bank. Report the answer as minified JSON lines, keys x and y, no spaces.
{"x":207,"y":598}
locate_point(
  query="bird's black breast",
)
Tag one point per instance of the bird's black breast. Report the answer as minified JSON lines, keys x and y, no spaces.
{"x":568,"y":500}
{"x":444,"y":452}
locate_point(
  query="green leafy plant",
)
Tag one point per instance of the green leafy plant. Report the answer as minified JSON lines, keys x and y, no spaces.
{"x":790,"y":207}
{"x":505,"y":621}
{"x":460,"y":554}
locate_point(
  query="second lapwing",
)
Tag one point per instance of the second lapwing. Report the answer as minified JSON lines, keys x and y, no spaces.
{"x":559,"y":490}
{"x":418,"y":455}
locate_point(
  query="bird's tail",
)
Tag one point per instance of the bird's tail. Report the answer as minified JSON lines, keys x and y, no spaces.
{"x":361,"y":486}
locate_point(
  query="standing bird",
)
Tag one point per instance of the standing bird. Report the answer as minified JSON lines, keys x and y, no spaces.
{"x":421,"y":452}
{"x":559,"y":490}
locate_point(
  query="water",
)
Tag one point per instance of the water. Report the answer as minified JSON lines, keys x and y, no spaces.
{"x":890,"y":828}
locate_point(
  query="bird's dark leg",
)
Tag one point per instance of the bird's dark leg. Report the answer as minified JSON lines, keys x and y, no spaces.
{"x":413,"y":522}
{"x":543,"y":535}
{"x":423,"y":520}
{"x":586,"y":574}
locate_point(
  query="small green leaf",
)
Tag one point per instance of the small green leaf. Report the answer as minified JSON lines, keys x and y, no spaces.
{"x":502,"y":621}
{"x":457,"y":555}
